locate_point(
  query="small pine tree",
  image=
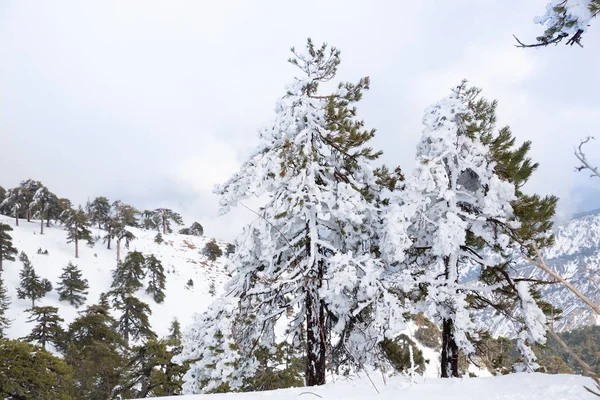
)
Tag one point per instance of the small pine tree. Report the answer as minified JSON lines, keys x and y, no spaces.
{"x":4,"y":306}
{"x":196,"y":229}
{"x":212,"y":289}
{"x":190,"y":283}
{"x":128,"y":276}
{"x":230,"y":249}
{"x":156,"y":275}
{"x":175,"y":332}
{"x":47,"y":328}
{"x":158,"y":238}
{"x":72,"y":287}
{"x":32,"y":287}
{"x":212,"y":250}
{"x":7,"y":251}
{"x":77,"y":226}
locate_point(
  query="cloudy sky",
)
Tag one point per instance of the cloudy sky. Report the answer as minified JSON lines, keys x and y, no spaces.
{"x":156,"y":102}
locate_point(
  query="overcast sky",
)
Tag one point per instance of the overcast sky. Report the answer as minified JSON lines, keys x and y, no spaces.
{"x":156,"y":102}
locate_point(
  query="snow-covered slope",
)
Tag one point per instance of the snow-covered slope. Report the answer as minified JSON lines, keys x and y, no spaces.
{"x":179,"y":254}
{"x":504,"y":387}
{"x":575,"y":256}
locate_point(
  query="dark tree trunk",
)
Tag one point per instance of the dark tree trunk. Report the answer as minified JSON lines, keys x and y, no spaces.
{"x":28,"y":215}
{"x":1,"y":256}
{"x":449,"y":351}
{"x":316,"y":350}
{"x":449,"y":346}
{"x":42,"y":225}
{"x":17,"y":218}
{"x":48,"y":221}
{"x":76,"y":242}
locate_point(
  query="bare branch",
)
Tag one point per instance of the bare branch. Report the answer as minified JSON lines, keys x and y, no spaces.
{"x":582,"y":158}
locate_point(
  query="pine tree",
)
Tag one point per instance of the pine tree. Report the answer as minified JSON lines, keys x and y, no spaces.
{"x":2,"y":197}
{"x":72,"y":287}
{"x":30,"y":187}
{"x":7,"y":251}
{"x":150,"y":220}
{"x":47,"y":328}
{"x":133,"y":323}
{"x":15,"y":202}
{"x":99,"y":211}
{"x":95,"y":349}
{"x":565,"y":19}
{"x":166,"y":218}
{"x":28,"y":372}
{"x":77,"y":226}
{"x":156,"y":275}
{"x":32,"y":286}
{"x":309,"y":253}
{"x":128,"y":276}
{"x":158,"y":239}
{"x":212,"y":250}
{"x":151,"y":371}
{"x":462,"y":212}
{"x":175,"y":333}
{"x":5,"y":322}
{"x":41,"y":204}
{"x":196,"y":229}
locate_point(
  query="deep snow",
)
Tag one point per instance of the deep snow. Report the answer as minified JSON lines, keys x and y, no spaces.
{"x":520,"y":386}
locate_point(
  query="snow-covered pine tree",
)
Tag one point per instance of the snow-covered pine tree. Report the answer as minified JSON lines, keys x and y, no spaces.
{"x":150,"y":220}
{"x":565,"y":19}
{"x":123,"y":215}
{"x":30,"y":187}
{"x":166,"y":218}
{"x":32,"y":286}
{"x":128,"y":276}
{"x":4,"y":305}
{"x":47,"y":328}
{"x":308,"y":253}
{"x":15,"y":202}
{"x":7,"y":250}
{"x":77,"y":225}
{"x":72,"y":287}
{"x":42,"y":202}
{"x":462,"y":212}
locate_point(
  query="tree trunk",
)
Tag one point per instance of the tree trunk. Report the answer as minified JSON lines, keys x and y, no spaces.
{"x":164,"y":223}
{"x":76,"y":243}
{"x":17,"y":218}
{"x":41,"y":225}
{"x":28,"y":215}
{"x":449,"y":351}
{"x":449,"y":346}
{"x":316,"y":350}
{"x":48,"y":221}
{"x":118,"y":250}
{"x":1,"y":256}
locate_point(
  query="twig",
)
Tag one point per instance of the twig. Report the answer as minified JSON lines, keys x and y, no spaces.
{"x":314,"y":394}
{"x":582,"y":158}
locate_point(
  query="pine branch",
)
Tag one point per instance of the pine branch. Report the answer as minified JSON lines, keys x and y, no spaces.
{"x":582,"y":158}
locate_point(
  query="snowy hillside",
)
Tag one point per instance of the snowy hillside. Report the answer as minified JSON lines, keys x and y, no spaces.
{"x":179,"y":254}
{"x":504,"y":387}
{"x":575,"y":256}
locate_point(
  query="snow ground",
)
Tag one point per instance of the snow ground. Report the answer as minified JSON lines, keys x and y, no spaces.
{"x":179,"y":254}
{"x":520,"y":386}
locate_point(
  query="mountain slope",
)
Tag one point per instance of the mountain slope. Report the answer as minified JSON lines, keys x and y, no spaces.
{"x":179,"y":254}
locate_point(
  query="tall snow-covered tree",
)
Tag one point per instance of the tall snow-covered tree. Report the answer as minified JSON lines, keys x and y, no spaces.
{"x":30,"y":187}
{"x":99,"y":211}
{"x":122,"y":216}
{"x":4,"y":306}
{"x":156,"y":278}
{"x":565,"y":19}
{"x":15,"y":202}
{"x":462,"y":214}
{"x":7,"y":250}
{"x":32,"y":286}
{"x":72,"y":287}
{"x":41,"y":204}
{"x":77,"y":225}
{"x":309,"y":253}
{"x":167,"y":217}
{"x":47,"y":328}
